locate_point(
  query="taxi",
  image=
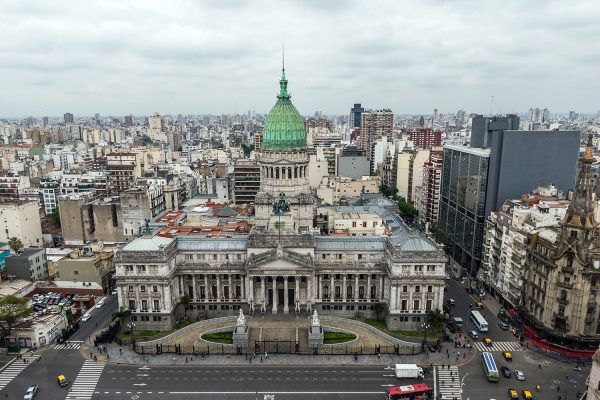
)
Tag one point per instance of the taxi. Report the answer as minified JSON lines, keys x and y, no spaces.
{"x":507,"y":356}
{"x":512,"y":394}
{"x":62,"y":381}
{"x":527,"y":394}
{"x":479,"y":305}
{"x":487,"y":341}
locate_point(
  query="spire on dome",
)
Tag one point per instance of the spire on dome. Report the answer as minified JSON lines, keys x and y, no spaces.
{"x":283,"y":93}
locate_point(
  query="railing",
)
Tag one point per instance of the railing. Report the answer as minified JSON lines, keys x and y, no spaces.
{"x":187,"y":329}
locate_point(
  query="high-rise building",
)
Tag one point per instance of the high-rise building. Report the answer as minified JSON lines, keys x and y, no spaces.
{"x":257,"y":139}
{"x":375,"y":124}
{"x":121,"y":171}
{"x":246,"y":181}
{"x":68,"y":118}
{"x":426,"y":138}
{"x":45,"y":121}
{"x":430,"y":193}
{"x":355,"y":116}
{"x":129,"y":120}
{"x":479,"y":179}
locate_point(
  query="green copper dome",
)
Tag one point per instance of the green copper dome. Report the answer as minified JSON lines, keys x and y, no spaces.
{"x":284,"y":126}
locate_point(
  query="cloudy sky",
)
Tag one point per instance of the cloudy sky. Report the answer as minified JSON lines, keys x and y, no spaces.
{"x":119,"y":57}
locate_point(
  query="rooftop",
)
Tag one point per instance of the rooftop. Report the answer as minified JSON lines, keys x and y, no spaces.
{"x":148,"y":243}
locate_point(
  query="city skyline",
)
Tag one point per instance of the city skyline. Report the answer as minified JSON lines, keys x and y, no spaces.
{"x":215,"y":58}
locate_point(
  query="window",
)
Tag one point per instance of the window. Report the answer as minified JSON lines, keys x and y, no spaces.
{"x":142,"y":288}
{"x":155,"y":288}
{"x":129,"y":268}
{"x":429,"y":289}
{"x":354,"y":224}
{"x":418,"y":268}
{"x":364,"y":224}
{"x":417,"y":289}
{"x":141,"y":268}
{"x":360,"y":256}
{"x":404,"y":289}
{"x":75,"y":272}
{"x":132,"y":304}
{"x":416,"y":305}
{"x":404,"y":305}
{"x":130,"y":288}
{"x":156,"y":305}
{"x":145,"y":305}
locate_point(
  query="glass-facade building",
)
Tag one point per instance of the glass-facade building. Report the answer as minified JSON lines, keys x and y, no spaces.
{"x":463,"y":202}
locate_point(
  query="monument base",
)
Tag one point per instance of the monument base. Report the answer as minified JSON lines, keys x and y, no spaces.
{"x":315,"y":336}
{"x":240,"y":336}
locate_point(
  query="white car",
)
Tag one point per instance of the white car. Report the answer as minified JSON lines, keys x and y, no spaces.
{"x":519,"y":375}
{"x":86,"y":317}
{"x":100,"y":304}
{"x":31,"y":392}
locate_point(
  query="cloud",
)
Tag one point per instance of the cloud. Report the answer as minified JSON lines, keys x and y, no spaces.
{"x":180,"y":56}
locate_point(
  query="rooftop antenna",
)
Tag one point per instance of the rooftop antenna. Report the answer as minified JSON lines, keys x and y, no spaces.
{"x":283,"y":56}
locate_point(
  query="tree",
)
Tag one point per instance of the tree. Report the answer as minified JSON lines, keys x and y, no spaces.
{"x":185,"y":302}
{"x":247,"y":149}
{"x":15,"y":244}
{"x":435,"y":319}
{"x":55,"y":215}
{"x":389,"y":191}
{"x":12,"y":308}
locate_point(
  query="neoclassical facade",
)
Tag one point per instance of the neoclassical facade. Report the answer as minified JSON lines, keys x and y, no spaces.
{"x":285,"y":266}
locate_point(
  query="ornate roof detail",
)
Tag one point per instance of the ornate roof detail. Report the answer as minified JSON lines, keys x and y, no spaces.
{"x":284,"y":126}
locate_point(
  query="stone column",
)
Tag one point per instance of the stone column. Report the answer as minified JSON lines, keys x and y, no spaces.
{"x":251,"y":288}
{"x":332,"y":288}
{"x":218,"y":286}
{"x":274,"y":305}
{"x":355,"y":287}
{"x":230,"y":287}
{"x":368,"y":293}
{"x":286,"y":309}
{"x":297,"y":291}
{"x":344,"y":292}
{"x":380,"y":294}
{"x":206,"y":288}
{"x":262,"y":289}
{"x":320,"y":288}
{"x":309,"y":289}
{"x":193,"y":294}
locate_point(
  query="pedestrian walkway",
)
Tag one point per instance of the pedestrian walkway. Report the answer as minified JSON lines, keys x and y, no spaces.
{"x":69,"y":345}
{"x":449,"y":383}
{"x":86,"y":381}
{"x":11,"y":372}
{"x":499,"y":346}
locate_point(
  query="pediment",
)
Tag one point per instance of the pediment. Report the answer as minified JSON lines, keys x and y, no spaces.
{"x":280,"y":260}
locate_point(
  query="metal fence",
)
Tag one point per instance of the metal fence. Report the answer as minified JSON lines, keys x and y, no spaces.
{"x":275,"y":347}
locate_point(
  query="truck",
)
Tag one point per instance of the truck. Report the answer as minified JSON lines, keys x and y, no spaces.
{"x":409,"y":371}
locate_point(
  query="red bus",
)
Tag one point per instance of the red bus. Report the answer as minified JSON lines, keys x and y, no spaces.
{"x":418,"y":391}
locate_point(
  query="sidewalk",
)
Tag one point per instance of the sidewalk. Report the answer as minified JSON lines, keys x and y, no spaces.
{"x":124,"y":355}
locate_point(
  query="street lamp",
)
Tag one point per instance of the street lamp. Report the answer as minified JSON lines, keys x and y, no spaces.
{"x":424,"y":326}
{"x":308,"y":309}
{"x":297,"y":308}
{"x":251,"y":307}
{"x":262,"y":308}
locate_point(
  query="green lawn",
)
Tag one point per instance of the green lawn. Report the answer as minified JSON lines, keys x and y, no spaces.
{"x":381,"y":325}
{"x":219,"y":337}
{"x":337,"y":337}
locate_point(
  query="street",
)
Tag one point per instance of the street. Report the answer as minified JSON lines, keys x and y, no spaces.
{"x":101,"y":318}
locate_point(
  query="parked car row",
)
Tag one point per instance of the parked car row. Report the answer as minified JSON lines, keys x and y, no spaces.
{"x":43,"y":300}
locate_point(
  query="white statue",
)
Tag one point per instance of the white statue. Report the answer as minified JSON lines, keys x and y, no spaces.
{"x":241,"y":321}
{"x":315,"y":321}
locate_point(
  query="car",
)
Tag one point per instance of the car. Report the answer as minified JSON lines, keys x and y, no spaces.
{"x":513,"y":394}
{"x":507,"y":356}
{"x":488,"y":341}
{"x":505,"y":371}
{"x":114,"y":291}
{"x":479,"y":305}
{"x":31,"y":392}
{"x":100,"y":304}
{"x":451,"y":302}
{"x":519,"y":375}
{"x":474,"y":335}
{"x":86,"y":317}
{"x":527,"y":395}
{"x":503,"y":325}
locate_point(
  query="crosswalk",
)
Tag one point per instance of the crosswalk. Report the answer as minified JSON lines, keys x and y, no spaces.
{"x":449,"y":383}
{"x":499,"y":346}
{"x":69,"y":345}
{"x":14,"y":369}
{"x":86,"y":381}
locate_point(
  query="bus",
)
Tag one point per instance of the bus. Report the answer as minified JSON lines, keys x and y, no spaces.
{"x":489,"y":367}
{"x":479,"y":321}
{"x":418,"y":391}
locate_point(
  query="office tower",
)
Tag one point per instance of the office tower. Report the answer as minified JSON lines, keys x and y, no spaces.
{"x":129,"y":120}
{"x":121,"y":171}
{"x":246,"y":181}
{"x":502,"y":163}
{"x":355,"y":113}
{"x":45,"y":121}
{"x":68,"y":118}
{"x":430,"y":193}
